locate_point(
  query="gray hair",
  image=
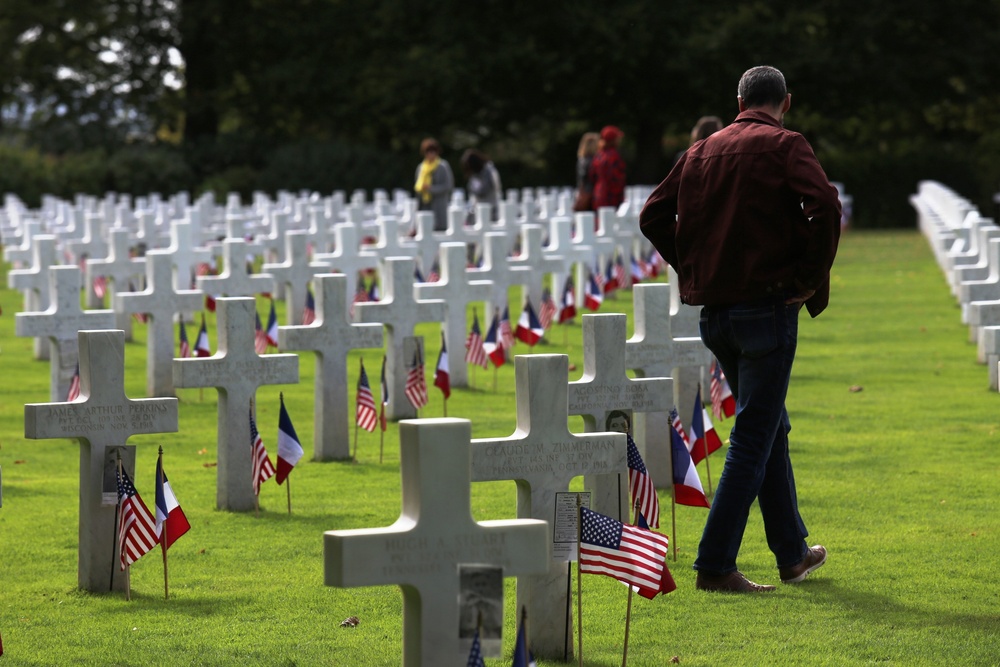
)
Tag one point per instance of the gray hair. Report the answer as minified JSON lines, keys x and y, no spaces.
{"x":762,"y":86}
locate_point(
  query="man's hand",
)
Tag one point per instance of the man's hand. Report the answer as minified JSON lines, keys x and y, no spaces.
{"x":800,"y":298}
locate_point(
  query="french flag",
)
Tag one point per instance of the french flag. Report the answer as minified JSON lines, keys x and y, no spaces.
{"x":568,"y":309}
{"x":442,"y":377}
{"x":529,"y":329}
{"x":289,"y":448}
{"x":272,"y":327}
{"x":170,"y":520}
{"x":687,"y":484}
{"x":592,"y":297}
{"x":492,"y":347}
{"x":703,"y":438}
{"x":201,"y":346}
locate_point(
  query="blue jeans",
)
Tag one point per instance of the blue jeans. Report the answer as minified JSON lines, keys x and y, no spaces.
{"x":755,"y":345}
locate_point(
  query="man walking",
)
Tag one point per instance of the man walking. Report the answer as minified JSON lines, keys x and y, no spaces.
{"x":751,"y":224}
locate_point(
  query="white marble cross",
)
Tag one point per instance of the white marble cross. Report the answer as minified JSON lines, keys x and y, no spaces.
{"x":184,"y":254}
{"x":348,"y":258}
{"x":236,"y":370}
{"x":273,"y":244}
{"x":426,"y":241}
{"x":657,"y":349}
{"x":92,"y":244}
{"x":543,"y":457}
{"x":60,"y":324}
{"x":119,"y":269}
{"x":400,"y":312}
{"x":498,"y":270}
{"x":34,"y":283}
{"x":331,"y":337}
{"x":605,"y":387}
{"x":161,"y":301}
{"x":561,"y":245}
{"x":457,"y":290}
{"x":389,"y":243}
{"x":103,"y":419}
{"x":235,"y":280}
{"x":20,"y":255}
{"x":434,"y":535}
{"x":537,"y":262}
{"x":294,"y":274}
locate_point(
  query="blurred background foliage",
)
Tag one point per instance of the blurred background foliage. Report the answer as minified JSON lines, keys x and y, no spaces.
{"x":241,"y":95}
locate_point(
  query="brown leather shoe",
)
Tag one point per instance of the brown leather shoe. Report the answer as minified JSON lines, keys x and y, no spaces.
{"x":734,"y":582}
{"x":815,"y":557}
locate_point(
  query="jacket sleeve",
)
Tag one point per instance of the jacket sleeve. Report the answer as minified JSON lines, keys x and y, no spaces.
{"x":658,"y":219}
{"x":445,"y":183}
{"x":821,"y":207}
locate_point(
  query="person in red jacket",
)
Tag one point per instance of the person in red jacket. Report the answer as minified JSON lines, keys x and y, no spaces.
{"x":607,"y":171}
{"x":751,"y":224}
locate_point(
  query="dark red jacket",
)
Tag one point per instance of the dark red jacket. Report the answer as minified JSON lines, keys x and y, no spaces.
{"x":607,"y":172}
{"x":745,"y":214}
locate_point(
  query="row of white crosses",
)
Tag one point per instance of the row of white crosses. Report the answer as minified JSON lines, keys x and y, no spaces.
{"x":967,"y":248}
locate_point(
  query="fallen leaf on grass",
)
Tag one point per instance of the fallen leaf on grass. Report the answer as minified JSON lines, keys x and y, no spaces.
{"x":855,"y":388}
{"x":349,"y":622}
{"x":202,"y":451}
{"x":676,"y":659}
{"x":20,"y":461}
{"x":209,"y":465}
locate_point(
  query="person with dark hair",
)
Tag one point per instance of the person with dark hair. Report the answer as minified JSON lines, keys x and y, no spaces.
{"x":435,"y":183}
{"x":585,"y":152}
{"x":608,"y":170}
{"x":703,"y":129}
{"x":482,"y":181}
{"x":751,"y":223}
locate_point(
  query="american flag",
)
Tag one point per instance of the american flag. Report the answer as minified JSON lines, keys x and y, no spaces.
{"x":416,"y":384}
{"x":185,"y":344}
{"x":263,"y":469}
{"x":641,"y":488}
{"x":435,"y":274}
{"x":100,"y":287}
{"x":136,"y":525}
{"x":366,"y":417}
{"x":385,"y":398}
{"x":598,"y":278}
{"x":259,"y":336}
{"x":74,"y":386}
{"x":309,"y":314}
{"x":506,"y":334}
{"x":547,"y":310}
{"x":639,"y":270}
{"x":631,"y":555}
{"x":475,"y":653}
{"x":620,"y":275}
{"x":723,"y":403}
{"x":474,"y":352}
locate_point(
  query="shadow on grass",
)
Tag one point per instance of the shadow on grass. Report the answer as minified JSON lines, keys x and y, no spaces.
{"x":867,"y":606}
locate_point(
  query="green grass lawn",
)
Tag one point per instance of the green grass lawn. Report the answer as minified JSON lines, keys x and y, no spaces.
{"x":898,"y":480}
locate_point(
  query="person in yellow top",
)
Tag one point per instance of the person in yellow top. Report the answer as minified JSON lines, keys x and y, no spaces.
{"x":435,"y":183}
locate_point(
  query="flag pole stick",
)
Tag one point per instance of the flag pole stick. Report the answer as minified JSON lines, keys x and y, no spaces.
{"x":288,"y":490}
{"x":117,"y":537}
{"x":163,"y":532}
{"x":567,"y":626}
{"x":495,"y":372}
{"x":579,"y":590}
{"x":708,"y":466}
{"x":628,"y":609}
{"x":355,"y":454}
{"x":381,"y":441}
{"x":673,"y":517}
{"x":128,"y":582}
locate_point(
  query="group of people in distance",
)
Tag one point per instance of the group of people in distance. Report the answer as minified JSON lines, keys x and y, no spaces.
{"x":600,"y":176}
{"x":435,"y":181}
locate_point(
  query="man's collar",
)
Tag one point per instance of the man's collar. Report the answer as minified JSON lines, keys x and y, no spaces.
{"x":757,"y":116}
